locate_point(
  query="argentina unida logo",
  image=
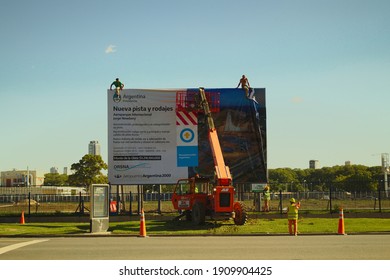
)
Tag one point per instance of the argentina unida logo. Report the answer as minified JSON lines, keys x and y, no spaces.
{"x":116,"y":97}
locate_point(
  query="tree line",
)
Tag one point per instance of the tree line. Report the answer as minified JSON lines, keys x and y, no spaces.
{"x":342,"y":178}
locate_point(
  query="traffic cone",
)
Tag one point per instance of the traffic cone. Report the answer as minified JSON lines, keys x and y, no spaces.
{"x":21,"y":221}
{"x":142,"y":228}
{"x":341,"y":222}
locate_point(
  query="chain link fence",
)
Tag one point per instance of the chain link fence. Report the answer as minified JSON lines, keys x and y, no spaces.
{"x":130,"y":199}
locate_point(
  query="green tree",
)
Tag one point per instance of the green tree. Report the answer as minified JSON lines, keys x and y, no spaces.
{"x":55,"y":179}
{"x":88,"y":171}
{"x":360,"y":180}
{"x":282,"y":178}
{"x":341,"y":178}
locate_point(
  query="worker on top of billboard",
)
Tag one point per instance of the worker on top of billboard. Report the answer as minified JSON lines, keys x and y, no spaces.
{"x":249,"y":92}
{"x":244,"y":84}
{"x":118,"y":86}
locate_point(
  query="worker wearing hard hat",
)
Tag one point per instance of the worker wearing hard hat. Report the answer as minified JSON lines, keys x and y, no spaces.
{"x":292,"y":216}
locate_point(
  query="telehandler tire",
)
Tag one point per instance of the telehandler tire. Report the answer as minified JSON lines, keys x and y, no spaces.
{"x":198,"y":214}
{"x":241,"y":215}
{"x":188,"y":215}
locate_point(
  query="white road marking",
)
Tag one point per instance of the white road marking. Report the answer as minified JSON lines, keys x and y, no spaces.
{"x":19,"y":245}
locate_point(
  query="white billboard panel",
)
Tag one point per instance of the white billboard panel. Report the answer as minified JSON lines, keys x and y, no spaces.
{"x":142,"y":137}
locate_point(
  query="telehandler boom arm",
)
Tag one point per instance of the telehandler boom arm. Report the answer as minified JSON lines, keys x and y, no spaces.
{"x":222,"y":172}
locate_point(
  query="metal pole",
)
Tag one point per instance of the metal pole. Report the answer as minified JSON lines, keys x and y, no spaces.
{"x":385,"y":167}
{"x":256,"y":201}
{"x":386,"y":184}
{"x":281,"y":202}
{"x":330,"y":199}
{"x":81,"y":203}
{"x":138,"y":200}
{"x":142,"y":196}
{"x":117,"y":199}
{"x":123,"y":205}
{"x":29,"y":204}
{"x":131,"y":204}
{"x":380,"y":199}
{"x":159,"y":199}
{"x":28,"y":179}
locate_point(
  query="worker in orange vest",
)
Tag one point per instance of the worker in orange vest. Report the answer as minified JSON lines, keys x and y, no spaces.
{"x":292,"y":216}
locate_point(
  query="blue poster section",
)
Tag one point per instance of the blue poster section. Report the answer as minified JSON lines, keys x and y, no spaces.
{"x":187,"y":156}
{"x":241,"y":127}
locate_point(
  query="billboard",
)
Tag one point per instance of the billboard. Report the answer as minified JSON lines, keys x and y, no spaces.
{"x":159,"y":136}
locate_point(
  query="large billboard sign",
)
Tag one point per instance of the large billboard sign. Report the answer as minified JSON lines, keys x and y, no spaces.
{"x":159,"y":136}
{"x":142,"y":137}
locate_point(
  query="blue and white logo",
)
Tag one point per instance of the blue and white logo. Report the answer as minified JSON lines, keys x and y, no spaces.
{"x":187,"y":135}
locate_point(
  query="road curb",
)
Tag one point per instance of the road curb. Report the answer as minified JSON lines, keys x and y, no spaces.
{"x":110,"y":234}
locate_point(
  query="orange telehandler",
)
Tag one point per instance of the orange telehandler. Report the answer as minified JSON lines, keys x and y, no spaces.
{"x":197,"y":197}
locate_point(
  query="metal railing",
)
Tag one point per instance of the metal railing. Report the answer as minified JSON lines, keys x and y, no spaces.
{"x":34,"y":202}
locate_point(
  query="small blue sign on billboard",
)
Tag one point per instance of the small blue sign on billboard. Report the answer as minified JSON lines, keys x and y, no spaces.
{"x":187,"y":156}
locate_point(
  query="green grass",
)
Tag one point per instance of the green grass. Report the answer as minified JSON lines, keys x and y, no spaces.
{"x":43,"y":229}
{"x":254,"y":226}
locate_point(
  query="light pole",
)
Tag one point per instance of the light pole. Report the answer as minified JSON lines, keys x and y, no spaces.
{"x":385,"y":168}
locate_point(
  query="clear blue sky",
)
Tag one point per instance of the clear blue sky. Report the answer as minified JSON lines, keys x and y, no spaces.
{"x":325,"y":65}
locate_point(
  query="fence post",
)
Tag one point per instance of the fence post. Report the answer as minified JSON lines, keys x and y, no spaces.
{"x":81,"y":204}
{"x":118,"y":198}
{"x":123,"y":202}
{"x":131,"y":204}
{"x":256,"y":201}
{"x":330,"y":199}
{"x":29,"y":204}
{"x":159,"y":199}
{"x":280,"y":202}
{"x":37,"y":199}
{"x":139,"y":198}
{"x":380,"y":199}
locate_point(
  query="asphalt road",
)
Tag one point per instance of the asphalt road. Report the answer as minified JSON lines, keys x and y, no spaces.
{"x":318,"y":247}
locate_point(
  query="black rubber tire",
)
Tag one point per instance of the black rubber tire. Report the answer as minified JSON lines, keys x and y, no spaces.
{"x":188,"y":215}
{"x":241,"y":216}
{"x":198,"y":214}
